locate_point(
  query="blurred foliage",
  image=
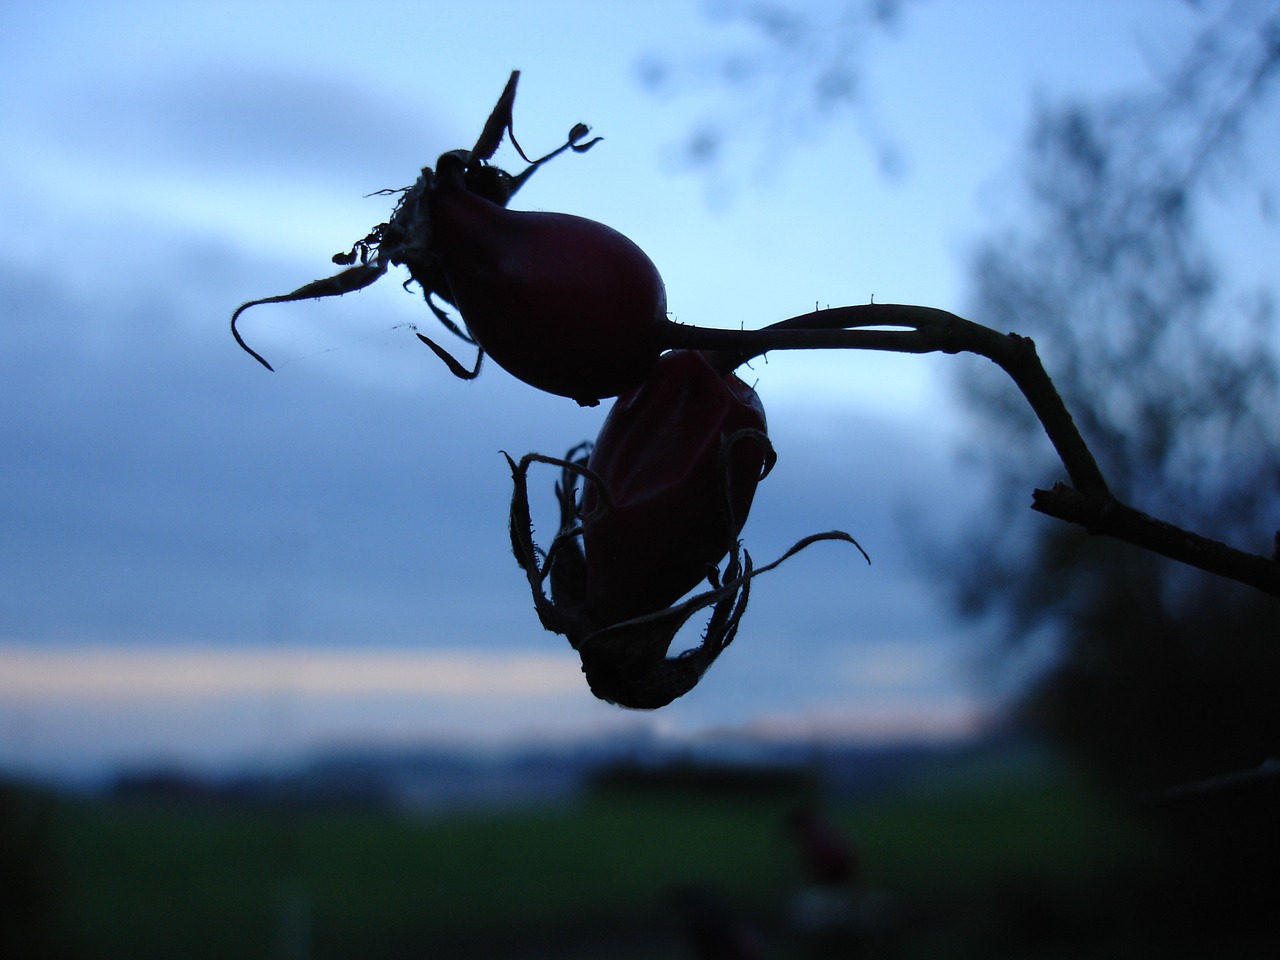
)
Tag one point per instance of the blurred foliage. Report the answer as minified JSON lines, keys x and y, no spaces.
{"x":31,"y":881}
{"x":784,"y":73}
{"x":1167,"y":352}
{"x":976,"y":854}
{"x":1152,"y":673}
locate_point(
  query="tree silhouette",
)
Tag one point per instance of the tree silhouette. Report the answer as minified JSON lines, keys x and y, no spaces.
{"x":788,"y":74}
{"x":1153,"y":673}
{"x":1150,"y":671}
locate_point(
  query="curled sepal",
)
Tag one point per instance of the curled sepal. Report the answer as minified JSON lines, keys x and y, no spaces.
{"x":560,"y":615}
{"x":500,"y":121}
{"x":725,"y":472}
{"x":408,"y":238}
{"x":626,"y":663}
{"x":354,"y":278}
{"x":455,"y":365}
{"x":572,"y":142}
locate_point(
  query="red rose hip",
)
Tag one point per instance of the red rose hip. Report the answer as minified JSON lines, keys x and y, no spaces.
{"x":566,"y":304}
{"x":679,"y":458}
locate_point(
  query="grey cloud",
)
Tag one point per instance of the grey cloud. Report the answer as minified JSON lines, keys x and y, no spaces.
{"x":164,"y":485}
{"x":230,"y":118}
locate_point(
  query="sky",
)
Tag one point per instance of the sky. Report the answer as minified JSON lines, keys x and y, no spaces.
{"x":204,"y":563}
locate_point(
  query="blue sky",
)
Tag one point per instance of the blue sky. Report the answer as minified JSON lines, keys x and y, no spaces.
{"x":207,"y":563}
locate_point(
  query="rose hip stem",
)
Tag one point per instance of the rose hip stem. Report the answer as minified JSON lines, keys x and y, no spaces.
{"x":918,"y":330}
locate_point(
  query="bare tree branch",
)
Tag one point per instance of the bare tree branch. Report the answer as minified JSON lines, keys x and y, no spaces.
{"x":1107,"y":516}
{"x":914,"y":329}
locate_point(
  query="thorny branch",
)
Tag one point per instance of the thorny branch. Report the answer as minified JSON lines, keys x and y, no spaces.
{"x":903,"y":328}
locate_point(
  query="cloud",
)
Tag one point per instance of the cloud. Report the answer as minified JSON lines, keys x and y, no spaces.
{"x":140,"y":675}
{"x":161,"y":484}
{"x":882,"y":719}
{"x":197,"y":119}
{"x":889,"y":667}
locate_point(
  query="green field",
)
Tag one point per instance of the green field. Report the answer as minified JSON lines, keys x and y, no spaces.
{"x":967,"y":862}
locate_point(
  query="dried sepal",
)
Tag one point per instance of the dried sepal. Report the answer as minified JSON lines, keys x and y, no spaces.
{"x":724,"y":469}
{"x":455,"y":366}
{"x":558,"y":615}
{"x":355,"y":278}
{"x":500,"y":121}
{"x":406,"y":239}
{"x":626,"y":663}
